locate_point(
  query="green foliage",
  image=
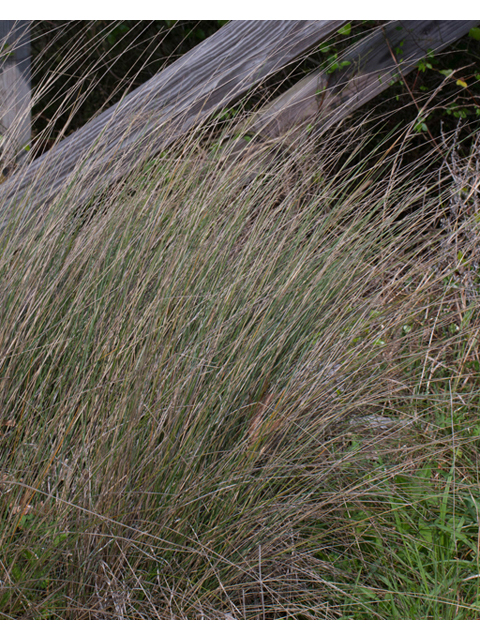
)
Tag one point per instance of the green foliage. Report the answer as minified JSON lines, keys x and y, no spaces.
{"x":428,"y":62}
{"x":333,"y":66}
{"x":474,"y":33}
{"x":430,"y":66}
{"x":420,"y":124}
{"x":424,"y":563}
{"x":345,"y":30}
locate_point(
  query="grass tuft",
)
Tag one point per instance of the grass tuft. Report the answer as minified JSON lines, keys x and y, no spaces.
{"x":245,"y":388}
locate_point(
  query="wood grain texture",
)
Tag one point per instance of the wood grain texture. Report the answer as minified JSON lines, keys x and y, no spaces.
{"x":327,"y":99}
{"x":211,"y":76}
{"x":15,"y":119}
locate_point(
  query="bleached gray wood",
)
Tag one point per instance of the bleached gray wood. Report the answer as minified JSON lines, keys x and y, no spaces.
{"x":15,"y":119}
{"x":327,"y":99}
{"x":208,"y":78}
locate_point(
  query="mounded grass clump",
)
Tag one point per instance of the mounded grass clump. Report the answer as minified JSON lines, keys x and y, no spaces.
{"x":228,"y":393}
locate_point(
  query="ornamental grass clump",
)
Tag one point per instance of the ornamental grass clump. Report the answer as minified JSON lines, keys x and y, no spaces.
{"x":243,"y":393}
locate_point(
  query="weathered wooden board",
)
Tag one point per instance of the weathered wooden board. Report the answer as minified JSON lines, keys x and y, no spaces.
{"x":15,"y":119}
{"x":327,"y":99}
{"x":208,"y":78}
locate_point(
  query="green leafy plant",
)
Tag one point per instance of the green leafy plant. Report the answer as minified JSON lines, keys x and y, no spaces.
{"x":474,"y":33}
{"x":345,"y":30}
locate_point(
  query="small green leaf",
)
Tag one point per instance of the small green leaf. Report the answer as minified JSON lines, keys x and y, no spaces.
{"x":463,"y":112}
{"x":474,"y":33}
{"x":60,"y":538}
{"x":25,"y":520}
{"x":345,"y":30}
{"x":420,"y":126}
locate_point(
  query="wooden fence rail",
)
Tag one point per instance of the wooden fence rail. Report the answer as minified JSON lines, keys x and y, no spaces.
{"x":208,"y":78}
{"x":373,"y":63}
{"x":214,"y":74}
{"x":15,"y":120}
